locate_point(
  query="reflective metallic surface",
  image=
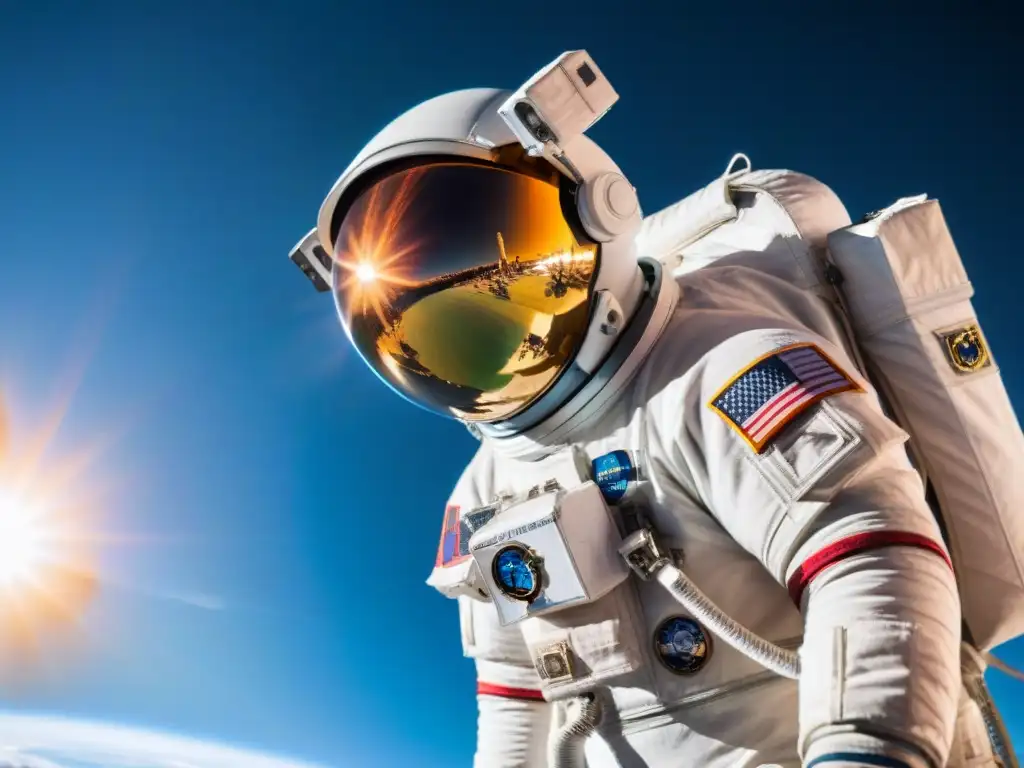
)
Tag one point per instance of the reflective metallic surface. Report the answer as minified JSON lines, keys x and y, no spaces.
{"x":682,"y":645}
{"x":517,"y":573}
{"x":464,"y":286}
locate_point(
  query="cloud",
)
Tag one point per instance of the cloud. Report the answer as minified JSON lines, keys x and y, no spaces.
{"x":205,"y":601}
{"x":42,"y":741}
{"x":198,"y":600}
{"x":10,"y":758}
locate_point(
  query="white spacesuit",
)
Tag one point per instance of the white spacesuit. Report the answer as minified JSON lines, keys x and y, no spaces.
{"x":686,"y":493}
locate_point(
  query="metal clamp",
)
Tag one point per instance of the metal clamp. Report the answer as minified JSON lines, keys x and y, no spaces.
{"x":642,"y":554}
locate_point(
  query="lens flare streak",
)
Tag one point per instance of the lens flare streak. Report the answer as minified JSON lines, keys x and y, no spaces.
{"x":372,"y":254}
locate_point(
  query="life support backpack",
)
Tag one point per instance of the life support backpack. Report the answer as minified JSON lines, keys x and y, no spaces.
{"x":898,"y":285}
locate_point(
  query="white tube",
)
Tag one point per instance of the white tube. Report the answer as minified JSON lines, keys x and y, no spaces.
{"x":779,"y":660}
{"x":565,"y":749}
{"x":1003,"y":667}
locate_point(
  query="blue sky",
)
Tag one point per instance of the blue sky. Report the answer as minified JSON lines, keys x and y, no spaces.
{"x":276,"y":509}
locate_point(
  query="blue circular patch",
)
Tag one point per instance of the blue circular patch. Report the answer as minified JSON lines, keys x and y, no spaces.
{"x":516,"y":573}
{"x":612,"y":473}
{"x":682,"y":645}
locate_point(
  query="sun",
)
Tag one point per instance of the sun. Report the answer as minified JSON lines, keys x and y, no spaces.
{"x":372,"y":257}
{"x":23,"y":540}
{"x":366,"y":273}
{"x":48,"y":539}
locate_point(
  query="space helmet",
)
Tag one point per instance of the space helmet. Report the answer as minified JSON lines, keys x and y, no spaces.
{"x":482,"y":248}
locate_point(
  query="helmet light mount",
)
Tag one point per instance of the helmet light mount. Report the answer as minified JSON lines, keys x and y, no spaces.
{"x":309,"y":256}
{"x":558,"y":104}
{"x":547,"y":115}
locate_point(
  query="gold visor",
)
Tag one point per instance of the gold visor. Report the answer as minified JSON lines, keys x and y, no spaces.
{"x":465,"y":286}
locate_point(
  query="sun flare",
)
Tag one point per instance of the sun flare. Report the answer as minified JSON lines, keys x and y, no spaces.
{"x":23,"y":540}
{"x":366,"y":273}
{"x":47,"y":541}
{"x":373,"y":258}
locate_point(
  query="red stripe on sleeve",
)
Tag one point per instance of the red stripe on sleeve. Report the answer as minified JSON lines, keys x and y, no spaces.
{"x":854,"y":545}
{"x":490,"y":689}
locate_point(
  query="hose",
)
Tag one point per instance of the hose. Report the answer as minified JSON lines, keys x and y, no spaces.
{"x":974,"y":663}
{"x":1003,"y":667}
{"x":565,"y":749}
{"x":779,"y":660}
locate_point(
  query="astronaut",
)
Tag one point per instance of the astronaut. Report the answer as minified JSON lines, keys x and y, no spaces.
{"x":484,"y":265}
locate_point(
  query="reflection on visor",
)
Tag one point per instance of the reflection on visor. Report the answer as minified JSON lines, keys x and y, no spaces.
{"x":464,"y":286}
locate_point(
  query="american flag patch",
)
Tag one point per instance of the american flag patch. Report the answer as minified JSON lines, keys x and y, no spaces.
{"x":766,"y":395}
{"x":456,"y":532}
{"x":448,"y":550}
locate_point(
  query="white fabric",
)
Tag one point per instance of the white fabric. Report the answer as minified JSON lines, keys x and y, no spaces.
{"x":512,"y":733}
{"x":903,"y":285}
{"x":882,"y":653}
{"x":971,"y":745}
{"x":670,"y":230}
{"x":906,"y":288}
{"x":882,"y":627}
{"x":783,"y":216}
{"x":741,"y":520}
{"x":500,"y":655}
{"x":605,"y":638}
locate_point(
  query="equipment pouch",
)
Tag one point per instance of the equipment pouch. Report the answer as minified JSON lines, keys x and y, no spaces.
{"x":550,"y":552}
{"x":907,"y":295}
{"x":579,"y":648}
